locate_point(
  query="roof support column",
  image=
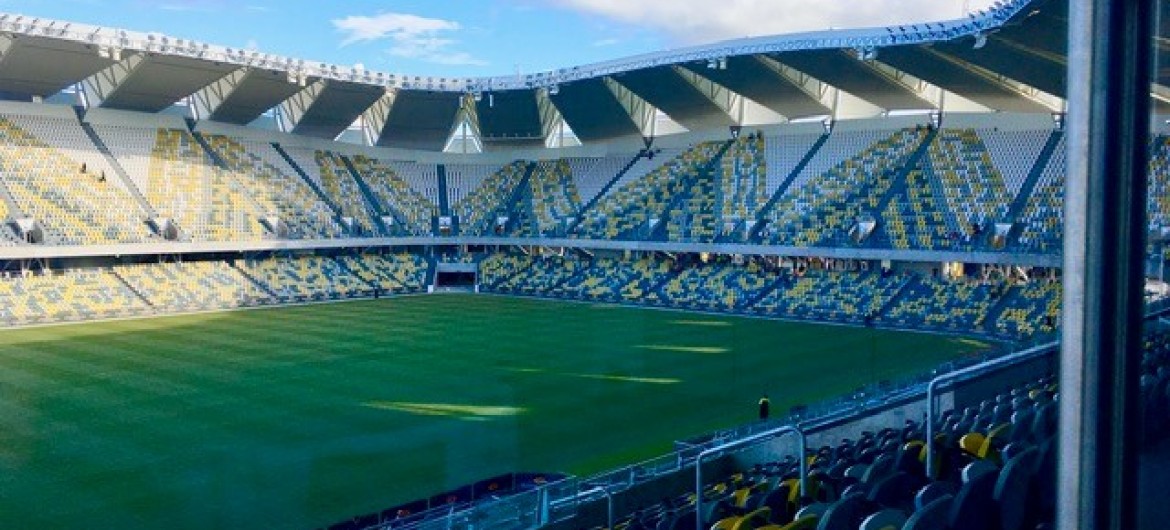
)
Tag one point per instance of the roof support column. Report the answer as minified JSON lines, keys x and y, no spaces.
{"x":104,"y":84}
{"x":210,"y":97}
{"x":641,"y":111}
{"x":295,"y":107}
{"x":374,"y":118}
{"x":840,"y":104}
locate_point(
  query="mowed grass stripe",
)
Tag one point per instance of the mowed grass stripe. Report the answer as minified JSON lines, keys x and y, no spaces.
{"x":303,"y":416}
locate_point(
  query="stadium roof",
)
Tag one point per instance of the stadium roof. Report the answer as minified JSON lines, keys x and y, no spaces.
{"x":1009,"y":58}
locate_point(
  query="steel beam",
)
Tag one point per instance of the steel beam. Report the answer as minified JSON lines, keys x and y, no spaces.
{"x":374,"y":118}
{"x":211,"y":97}
{"x":295,"y":107}
{"x":104,"y":84}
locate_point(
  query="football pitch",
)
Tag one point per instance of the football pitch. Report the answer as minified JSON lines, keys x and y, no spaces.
{"x":303,"y":416}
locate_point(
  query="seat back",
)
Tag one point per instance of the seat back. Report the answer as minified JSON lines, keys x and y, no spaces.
{"x":974,"y":508}
{"x":932,"y":516}
{"x":884,"y":520}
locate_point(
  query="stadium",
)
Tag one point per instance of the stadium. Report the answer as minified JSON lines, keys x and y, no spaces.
{"x":246,"y":290}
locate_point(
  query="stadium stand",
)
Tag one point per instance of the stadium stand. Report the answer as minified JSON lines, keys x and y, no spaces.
{"x":743,"y":184}
{"x":187,"y":286}
{"x":850,"y":175}
{"x":392,"y":187}
{"x":342,"y":188}
{"x":820,"y":290}
{"x":73,"y":203}
{"x":555,"y":199}
{"x":7,"y":236}
{"x":1043,"y":214}
{"x":478,"y":209}
{"x":302,"y":278}
{"x":392,"y":274}
{"x":930,"y":302}
{"x":591,"y":175}
{"x":66,"y":296}
{"x":1031,"y":308}
{"x":1158,"y":195}
{"x":841,"y":296}
{"x":180,"y":181}
{"x":657,"y":197}
{"x":276,"y":192}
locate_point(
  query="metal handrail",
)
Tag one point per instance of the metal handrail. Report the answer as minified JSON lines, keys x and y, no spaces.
{"x":993,"y":364}
{"x":773,"y":433}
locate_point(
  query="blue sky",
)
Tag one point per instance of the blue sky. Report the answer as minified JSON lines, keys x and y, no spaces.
{"x":478,"y":37}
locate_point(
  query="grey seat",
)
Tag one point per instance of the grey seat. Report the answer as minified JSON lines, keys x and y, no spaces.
{"x":932,"y":516}
{"x":884,"y":520}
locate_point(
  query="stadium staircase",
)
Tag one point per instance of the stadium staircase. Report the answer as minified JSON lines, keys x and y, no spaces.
{"x":132,"y":289}
{"x":522,"y":190}
{"x":255,"y":281}
{"x":444,"y":201}
{"x":767,"y":290}
{"x":1029,"y":186}
{"x":341,"y":264}
{"x":706,"y":172}
{"x":604,"y":190}
{"x":656,"y":288}
{"x":894,"y":300}
{"x":898,"y":188}
{"x":371,"y":200}
{"x":997,"y":309}
{"x":312,"y":184}
{"x":119,"y":171}
{"x":13,"y":208}
{"x":762,"y":215}
{"x":527,"y":205}
{"x":321,"y":195}
{"x":432,"y":276}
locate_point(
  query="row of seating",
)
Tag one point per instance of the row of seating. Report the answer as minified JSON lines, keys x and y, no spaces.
{"x":743,"y":180}
{"x":275,"y":192}
{"x":478,"y":210}
{"x":555,"y":199}
{"x":391,"y":188}
{"x":823,"y":208}
{"x":177,"y":287}
{"x":53,"y":172}
{"x":629,"y":211}
{"x":204,"y":201}
{"x":341,"y":187}
{"x":992,"y":466}
{"x":806,"y":290}
{"x":74,"y":204}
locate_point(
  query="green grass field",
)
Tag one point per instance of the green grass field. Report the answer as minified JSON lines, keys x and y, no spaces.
{"x":303,"y":416}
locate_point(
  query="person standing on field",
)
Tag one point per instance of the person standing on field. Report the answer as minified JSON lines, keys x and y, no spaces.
{"x":765,"y":405}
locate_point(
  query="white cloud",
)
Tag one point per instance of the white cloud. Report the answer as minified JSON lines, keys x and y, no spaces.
{"x":410,"y":36}
{"x":702,"y":21}
{"x":606,"y":42}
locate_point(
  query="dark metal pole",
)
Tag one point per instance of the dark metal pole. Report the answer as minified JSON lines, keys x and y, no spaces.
{"x":1104,"y":244}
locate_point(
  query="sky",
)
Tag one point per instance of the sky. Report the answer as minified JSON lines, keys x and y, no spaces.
{"x":471,"y":38}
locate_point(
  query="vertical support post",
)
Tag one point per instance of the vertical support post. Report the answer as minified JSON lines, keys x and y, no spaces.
{"x":1104,"y":232}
